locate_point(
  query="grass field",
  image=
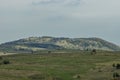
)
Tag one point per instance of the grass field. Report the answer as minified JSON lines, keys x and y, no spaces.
{"x":72,"y":65}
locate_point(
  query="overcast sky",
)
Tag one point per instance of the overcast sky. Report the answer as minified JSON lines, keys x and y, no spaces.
{"x":60,"y":18}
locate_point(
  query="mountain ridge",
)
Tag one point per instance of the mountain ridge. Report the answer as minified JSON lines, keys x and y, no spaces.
{"x":57,"y":43}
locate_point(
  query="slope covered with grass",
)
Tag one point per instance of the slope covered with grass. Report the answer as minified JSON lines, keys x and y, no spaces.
{"x":59,"y":66}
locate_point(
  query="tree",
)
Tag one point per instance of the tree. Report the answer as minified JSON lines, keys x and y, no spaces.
{"x":93,"y":51}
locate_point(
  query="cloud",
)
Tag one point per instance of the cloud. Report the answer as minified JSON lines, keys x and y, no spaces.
{"x":62,"y":2}
{"x":71,"y":17}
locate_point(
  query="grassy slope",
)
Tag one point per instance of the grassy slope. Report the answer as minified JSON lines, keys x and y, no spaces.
{"x":59,"y":66}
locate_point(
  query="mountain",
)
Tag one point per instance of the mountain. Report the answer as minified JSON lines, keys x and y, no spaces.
{"x":53,"y":43}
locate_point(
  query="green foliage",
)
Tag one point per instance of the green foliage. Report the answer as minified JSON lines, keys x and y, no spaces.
{"x":118,"y":66}
{"x":114,"y":65}
{"x":6,"y":62}
{"x":116,"y":76}
{"x":93,"y":51}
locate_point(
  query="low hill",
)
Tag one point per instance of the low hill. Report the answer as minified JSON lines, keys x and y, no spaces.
{"x":53,"y":43}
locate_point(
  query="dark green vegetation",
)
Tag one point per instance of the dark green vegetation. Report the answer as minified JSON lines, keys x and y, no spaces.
{"x":30,"y":44}
{"x":57,"y":65}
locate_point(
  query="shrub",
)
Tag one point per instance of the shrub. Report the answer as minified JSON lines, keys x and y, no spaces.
{"x":93,"y":51}
{"x":49,"y":51}
{"x":116,"y":75}
{"x":114,"y":65}
{"x":6,"y":62}
{"x":118,"y":66}
{"x":77,"y":76}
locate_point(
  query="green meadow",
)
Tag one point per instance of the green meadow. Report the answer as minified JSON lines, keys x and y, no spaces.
{"x":59,"y":65}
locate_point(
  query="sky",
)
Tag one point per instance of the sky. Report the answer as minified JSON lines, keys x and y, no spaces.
{"x":60,"y":18}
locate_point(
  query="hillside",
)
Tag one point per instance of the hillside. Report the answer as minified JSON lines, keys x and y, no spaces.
{"x":79,"y":65}
{"x":52,"y":43}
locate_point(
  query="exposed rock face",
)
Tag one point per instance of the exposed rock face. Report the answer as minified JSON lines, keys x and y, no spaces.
{"x":45,"y":43}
